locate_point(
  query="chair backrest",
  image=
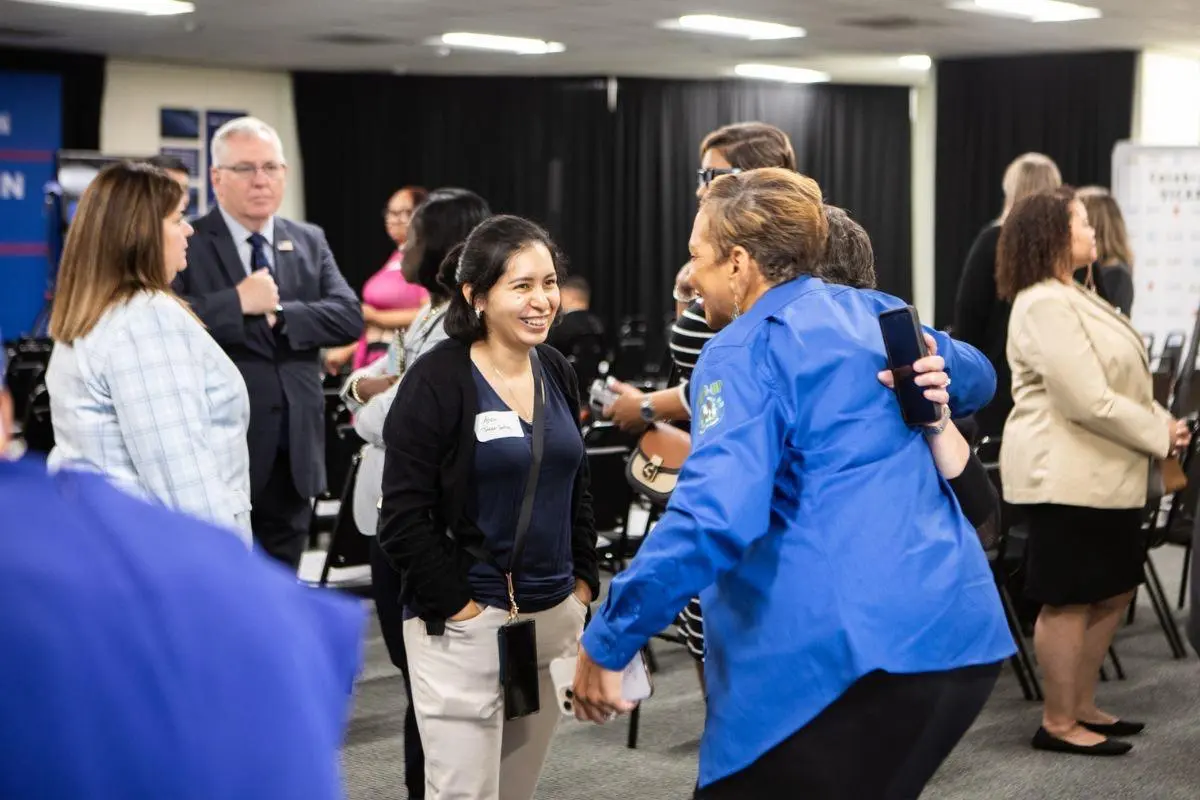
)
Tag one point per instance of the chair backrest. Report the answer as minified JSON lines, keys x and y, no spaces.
{"x":608,"y":449}
{"x":1168,"y":361}
{"x":630,"y":360}
{"x":341,"y":440}
{"x":589,"y":357}
{"x":27,"y":363}
{"x":37,"y":429}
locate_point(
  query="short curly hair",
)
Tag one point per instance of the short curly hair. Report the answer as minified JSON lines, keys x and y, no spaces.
{"x":1035,"y":240}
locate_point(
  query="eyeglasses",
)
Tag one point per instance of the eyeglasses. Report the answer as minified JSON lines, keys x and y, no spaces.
{"x":271,"y":169}
{"x":707,"y":176}
{"x":404,"y":214}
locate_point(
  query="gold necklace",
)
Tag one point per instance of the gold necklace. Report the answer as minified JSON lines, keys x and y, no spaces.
{"x":508,"y":386}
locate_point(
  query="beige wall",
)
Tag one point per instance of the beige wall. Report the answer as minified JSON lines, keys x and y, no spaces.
{"x":135,"y":91}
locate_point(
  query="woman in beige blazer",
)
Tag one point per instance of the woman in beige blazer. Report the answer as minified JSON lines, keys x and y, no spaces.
{"x":1075,"y":457}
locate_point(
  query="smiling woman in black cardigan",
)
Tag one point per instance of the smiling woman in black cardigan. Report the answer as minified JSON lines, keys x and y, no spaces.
{"x":459,"y":453}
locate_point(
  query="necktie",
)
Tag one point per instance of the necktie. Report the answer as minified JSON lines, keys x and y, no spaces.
{"x":258,"y":253}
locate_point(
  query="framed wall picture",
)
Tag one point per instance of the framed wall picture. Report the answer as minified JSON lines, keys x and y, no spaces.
{"x":178,"y":123}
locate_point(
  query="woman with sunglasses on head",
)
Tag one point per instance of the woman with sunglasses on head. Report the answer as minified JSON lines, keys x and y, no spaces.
{"x":851,"y":617}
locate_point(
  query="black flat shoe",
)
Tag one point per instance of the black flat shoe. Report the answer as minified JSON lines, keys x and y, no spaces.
{"x":1044,"y":740}
{"x":1121,"y":727}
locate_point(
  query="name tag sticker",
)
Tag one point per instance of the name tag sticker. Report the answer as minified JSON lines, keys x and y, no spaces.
{"x":492,"y":425}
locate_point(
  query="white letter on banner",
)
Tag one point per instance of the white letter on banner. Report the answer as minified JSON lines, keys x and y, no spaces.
{"x":12,"y":186}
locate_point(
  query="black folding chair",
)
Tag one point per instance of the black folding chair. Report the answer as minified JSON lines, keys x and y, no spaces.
{"x":1159,"y":531}
{"x":37,"y":429}
{"x":608,"y":449}
{"x":1007,"y":559}
{"x":347,"y":545}
{"x":342,"y":443}
{"x":27,"y":363}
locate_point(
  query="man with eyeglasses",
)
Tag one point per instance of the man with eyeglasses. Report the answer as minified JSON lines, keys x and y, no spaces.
{"x":271,"y":294}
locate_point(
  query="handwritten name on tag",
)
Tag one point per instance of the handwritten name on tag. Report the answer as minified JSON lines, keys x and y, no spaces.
{"x":492,"y":425}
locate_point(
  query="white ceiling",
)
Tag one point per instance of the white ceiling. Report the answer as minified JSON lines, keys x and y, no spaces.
{"x":602,"y":37}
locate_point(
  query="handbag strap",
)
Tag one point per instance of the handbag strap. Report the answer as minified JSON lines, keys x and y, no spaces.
{"x":535,"y":469}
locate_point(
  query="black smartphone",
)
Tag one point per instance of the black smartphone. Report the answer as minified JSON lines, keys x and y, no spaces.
{"x":905,"y":344}
{"x":519,"y":669}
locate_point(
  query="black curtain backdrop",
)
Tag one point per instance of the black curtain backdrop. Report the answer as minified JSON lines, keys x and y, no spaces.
{"x":853,"y":140}
{"x":1072,"y":107}
{"x":535,"y":147}
{"x":82,"y":89}
{"x":614,"y":185}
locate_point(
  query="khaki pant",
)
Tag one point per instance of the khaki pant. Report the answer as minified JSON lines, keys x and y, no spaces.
{"x":471,"y":752}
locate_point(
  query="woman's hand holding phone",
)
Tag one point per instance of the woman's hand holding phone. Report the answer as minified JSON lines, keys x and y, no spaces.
{"x":930,"y":374}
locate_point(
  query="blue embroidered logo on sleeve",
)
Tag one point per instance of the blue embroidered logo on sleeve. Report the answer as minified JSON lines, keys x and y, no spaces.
{"x":711,"y":406}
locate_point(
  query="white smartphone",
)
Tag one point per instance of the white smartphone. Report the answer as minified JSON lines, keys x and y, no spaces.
{"x":636,"y":685}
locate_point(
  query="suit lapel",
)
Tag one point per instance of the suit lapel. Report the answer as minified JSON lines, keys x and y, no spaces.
{"x":1098,"y":308}
{"x":285,"y":260}
{"x":227,"y":253}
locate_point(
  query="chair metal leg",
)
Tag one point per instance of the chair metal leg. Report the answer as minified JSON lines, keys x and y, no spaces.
{"x":1132,"y":607}
{"x":1103,"y":674}
{"x":635,"y":717}
{"x":1120,"y":670}
{"x":1162,"y":609}
{"x":631,"y":739}
{"x":1027,"y":671}
{"x":1018,"y":669}
{"x":1183,"y":579}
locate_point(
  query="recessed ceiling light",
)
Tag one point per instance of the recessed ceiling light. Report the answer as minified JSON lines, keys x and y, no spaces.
{"x":500,"y":44}
{"x":149,"y":8}
{"x":916,"y":62}
{"x":732,"y":26}
{"x":1032,"y":10}
{"x":773,"y":72}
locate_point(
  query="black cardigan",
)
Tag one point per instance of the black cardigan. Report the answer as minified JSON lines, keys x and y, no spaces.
{"x":429,"y":436}
{"x":981,"y":320}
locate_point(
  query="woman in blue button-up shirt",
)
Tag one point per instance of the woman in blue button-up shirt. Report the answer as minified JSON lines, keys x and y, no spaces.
{"x":853,"y":627}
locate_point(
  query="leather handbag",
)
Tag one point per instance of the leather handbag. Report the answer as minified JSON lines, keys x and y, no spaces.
{"x":653,"y":468}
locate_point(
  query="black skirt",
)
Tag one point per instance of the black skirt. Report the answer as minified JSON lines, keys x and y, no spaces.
{"x":1077,"y":556}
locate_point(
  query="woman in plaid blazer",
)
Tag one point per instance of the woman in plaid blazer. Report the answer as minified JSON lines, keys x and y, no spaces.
{"x":139,"y":391}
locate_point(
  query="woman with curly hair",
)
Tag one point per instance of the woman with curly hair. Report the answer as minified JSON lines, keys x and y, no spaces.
{"x":1075,"y":459}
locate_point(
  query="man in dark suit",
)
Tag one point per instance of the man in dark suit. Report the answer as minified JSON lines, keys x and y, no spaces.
{"x":270,"y":293}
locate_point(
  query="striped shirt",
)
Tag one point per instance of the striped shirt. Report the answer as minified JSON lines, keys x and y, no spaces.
{"x":689,"y":334}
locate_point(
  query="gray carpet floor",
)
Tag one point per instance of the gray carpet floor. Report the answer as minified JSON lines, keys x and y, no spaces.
{"x":994,"y":761}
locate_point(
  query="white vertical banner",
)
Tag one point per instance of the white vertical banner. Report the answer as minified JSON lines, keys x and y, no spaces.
{"x":1158,"y":189}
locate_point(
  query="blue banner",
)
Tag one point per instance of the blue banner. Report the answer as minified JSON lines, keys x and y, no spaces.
{"x":30,"y":135}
